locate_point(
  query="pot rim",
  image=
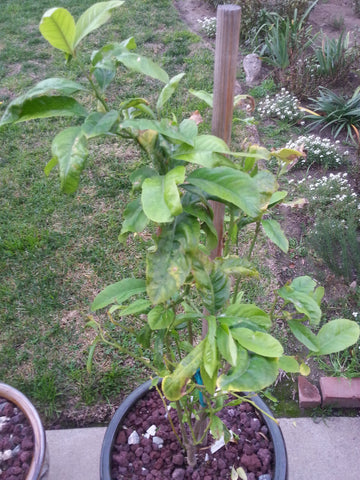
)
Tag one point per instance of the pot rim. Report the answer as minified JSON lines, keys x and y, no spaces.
{"x":25,"y":405}
{"x":280,"y":469}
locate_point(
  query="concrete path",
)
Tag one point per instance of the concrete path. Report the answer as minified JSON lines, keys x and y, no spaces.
{"x":322,"y":449}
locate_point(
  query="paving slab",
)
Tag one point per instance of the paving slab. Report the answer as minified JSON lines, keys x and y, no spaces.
{"x":327,"y":448}
{"x":74,"y":454}
{"x":317,"y":449}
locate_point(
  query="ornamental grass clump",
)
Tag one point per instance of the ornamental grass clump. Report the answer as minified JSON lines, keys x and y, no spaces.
{"x":283,"y":106}
{"x":336,"y":112}
{"x":208,"y":26}
{"x":319,"y":151}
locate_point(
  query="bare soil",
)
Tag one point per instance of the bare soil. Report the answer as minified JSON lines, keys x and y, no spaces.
{"x":330,"y":16}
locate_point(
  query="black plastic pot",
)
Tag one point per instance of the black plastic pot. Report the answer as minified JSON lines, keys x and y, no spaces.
{"x":280,"y":471}
{"x":39,"y":465}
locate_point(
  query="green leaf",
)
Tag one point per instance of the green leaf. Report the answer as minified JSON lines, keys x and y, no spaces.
{"x":97,"y":124}
{"x":217,"y":427}
{"x":246,"y":312}
{"x":226,"y":345}
{"x":138,"y":176}
{"x":275,"y":233}
{"x":168,"y":90}
{"x":304,"y":284}
{"x":213,"y":287}
{"x":160,"y":317}
{"x":160,"y":196}
{"x":70,"y":149}
{"x":104,"y":76}
{"x":42,"y":107}
{"x":289,"y":364}
{"x":173,"y":178}
{"x":229,"y":185}
{"x":287,"y":154}
{"x":174,"y":385}
{"x":138,"y":306}
{"x":118,"y":292}
{"x":304,"y":335}
{"x":267,"y":185}
{"x":208,"y":151}
{"x":233,"y":265}
{"x":92,"y":348}
{"x":209,"y":382}
{"x":258,"y":342}
{"x":205,"y":96}
{"x":93,"y":18}
{"x":60,"y":85}
{"x":189,"y":128}
{"x":187,"y":233}
{"x":303,"y":302}
{"x":163,"y":127}
{"x":319,"y":294}
{"x":337,"y":335}
{"x":52,"y":163}
{"x":210,"y":360}
{"x":167,"y":267}
{"x":276,"y":198}
{"x":135,"y":219}
{"x":144,"y":336}
{"x":143,"y":65}
{"x":207,"y":225}
{"x":57,"y":26}
{"x":260,"y":373}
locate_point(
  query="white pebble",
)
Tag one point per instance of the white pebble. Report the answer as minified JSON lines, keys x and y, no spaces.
{"x":158,"y":441}
{"x":133,"y":438}
{"x":150,"y":432}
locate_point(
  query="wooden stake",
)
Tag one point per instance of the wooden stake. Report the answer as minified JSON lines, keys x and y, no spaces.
{"x":226,"y":53}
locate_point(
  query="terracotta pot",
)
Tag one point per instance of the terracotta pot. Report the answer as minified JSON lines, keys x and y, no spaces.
{"x":280,"y":470}
{"x":39,"y":465}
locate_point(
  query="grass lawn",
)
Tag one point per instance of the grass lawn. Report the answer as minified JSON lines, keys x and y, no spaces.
{"x":58,"y":251}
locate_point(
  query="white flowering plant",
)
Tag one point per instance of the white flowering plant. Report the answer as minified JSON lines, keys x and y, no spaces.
{"x":319,"y":151}
{"x":283,"y":106}
{"x":208,"y":26}
{"x":334,"y":207}
{"x":332,"y":195}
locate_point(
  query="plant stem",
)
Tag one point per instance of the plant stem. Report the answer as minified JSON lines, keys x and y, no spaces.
{"x":168,"y":415}
{"x":188,"y":444}
{"x":257,"y":229}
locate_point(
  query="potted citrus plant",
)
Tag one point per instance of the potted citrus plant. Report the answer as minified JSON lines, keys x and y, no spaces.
{"x":171,"y":195}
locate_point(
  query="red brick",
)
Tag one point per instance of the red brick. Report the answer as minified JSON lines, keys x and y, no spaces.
{"x":340,"y":392}
{"x":309,"y":395}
